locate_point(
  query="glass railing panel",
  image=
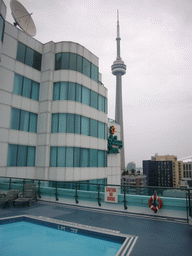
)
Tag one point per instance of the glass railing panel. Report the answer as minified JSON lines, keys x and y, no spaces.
{"x":4,"y":184}
{"x":17,"y":184}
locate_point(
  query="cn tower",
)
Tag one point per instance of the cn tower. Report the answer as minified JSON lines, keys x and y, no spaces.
{"x":119,"y":69}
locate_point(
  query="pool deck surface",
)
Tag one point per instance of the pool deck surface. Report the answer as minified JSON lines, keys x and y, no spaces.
{"x":156,"y":236}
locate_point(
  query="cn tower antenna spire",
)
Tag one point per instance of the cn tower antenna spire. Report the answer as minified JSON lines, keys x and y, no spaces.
{"x":118,"y":37}
{"x":119,"y":69}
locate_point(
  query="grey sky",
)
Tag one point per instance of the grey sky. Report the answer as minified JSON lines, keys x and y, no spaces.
{"x":156,"y":38}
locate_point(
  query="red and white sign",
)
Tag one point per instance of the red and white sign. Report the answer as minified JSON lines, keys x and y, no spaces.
{"x":111,"y":194}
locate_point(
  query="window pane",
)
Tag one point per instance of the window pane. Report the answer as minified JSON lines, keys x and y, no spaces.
{"x":84,"y":157}
{"x":73,"y":61}
{"x":26,"y":87}
{"x":85,"y":126}
{"x":78,"y":92}
{"x":70,"y":123}
{"x":94,"y":72}
{"x":35,"y":91}
{"x":69,"y":157}
{"x":105,"y":105}
{"x":62,"y":122}
{"x":101,"y":158}
{"x":63,"y":90}
{"x":101,"y":106}
{"x":31,"y":156}
{"x":105,"y":135}
{"x":93,"y":158}
{"x":22,"y":155}
{"x":85,"y":96}
{"x":29,"y":57}
{"x":37,"y":60}
{"x":94,"y":99}
{"x":101,"y":130}
{"x":18,"y":80}
{"x":57,"y":61}
{"x":24,"y":121}
{"x":79,"y":63}
{"x":77,"y":124}
{"x":86,"y":67}
{"x":56,"y":89}
{"x":105,"y":158}
{"x":93,"y":128}
{"x":65,"y":60}
{"x":15,"y":118}
{"x":33,"y":122}
{"x":71,"y":91}
{"x":54,"y":125}
{"x":12,"y":155}
{"x":21,"y":52}
{"x":53,"y":156}
{"x":61,"y":157}
{"x":76,"y":157}
{"x":2,"y":22}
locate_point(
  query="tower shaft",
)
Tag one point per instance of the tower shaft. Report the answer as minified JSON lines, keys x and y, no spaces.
{"x":119,"y":114}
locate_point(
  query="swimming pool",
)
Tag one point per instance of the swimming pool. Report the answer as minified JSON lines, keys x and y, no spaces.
{"x":26,"y":235}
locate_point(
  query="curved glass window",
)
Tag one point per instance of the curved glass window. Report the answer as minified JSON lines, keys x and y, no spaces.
{"x":28,"y":56}
{"x":26,"y":87}
{"x":21,"y":155}
{"x":23,"y":120}
{"x":72,"y":61}
{"x":71,"y":123}
{"x":79,"y":93}
{"x":77,"y":157}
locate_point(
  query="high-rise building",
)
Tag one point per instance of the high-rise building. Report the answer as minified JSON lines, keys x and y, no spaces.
{"x":159,"y":173}
{"x":177,"y":168}
{"x":119,"y":69}
{"x":53,"y":118}
{"x":166,"y":166}
{"x":187,"y":167}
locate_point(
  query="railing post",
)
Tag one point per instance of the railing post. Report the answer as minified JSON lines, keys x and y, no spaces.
{"x":10,"y":184}
{"x":39,"y":191}
{"x":98,"y":188}
{"x":76,"y":196}
{"x":189,"y":197}
{"x":23,"y":184}
{"x":187,"y":208}
{"x":56,"y":194}
{"x":124,"y":191}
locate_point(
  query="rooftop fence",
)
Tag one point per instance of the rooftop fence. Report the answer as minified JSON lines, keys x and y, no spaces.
{"x":174,"y":199}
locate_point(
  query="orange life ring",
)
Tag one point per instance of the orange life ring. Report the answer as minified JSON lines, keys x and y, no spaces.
{"x":157,"y":208}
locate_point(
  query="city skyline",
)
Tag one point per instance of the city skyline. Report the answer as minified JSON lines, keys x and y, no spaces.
{"x":156,"y":46}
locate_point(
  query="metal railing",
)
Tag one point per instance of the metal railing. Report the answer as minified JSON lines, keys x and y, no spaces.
{"x":79,"y":191}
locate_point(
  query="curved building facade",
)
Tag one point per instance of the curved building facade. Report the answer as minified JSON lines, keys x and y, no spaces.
{"x":53,"y":121}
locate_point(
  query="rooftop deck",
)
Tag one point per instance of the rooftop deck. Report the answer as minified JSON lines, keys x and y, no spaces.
{"x":156,"y":235}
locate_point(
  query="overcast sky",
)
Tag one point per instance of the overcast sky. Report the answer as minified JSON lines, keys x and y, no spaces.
{"x":156,"y":46}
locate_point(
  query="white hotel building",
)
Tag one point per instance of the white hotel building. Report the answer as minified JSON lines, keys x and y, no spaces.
{"x":53,"y":111}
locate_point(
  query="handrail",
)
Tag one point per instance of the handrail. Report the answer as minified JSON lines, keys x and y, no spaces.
{"x":112,"y":185}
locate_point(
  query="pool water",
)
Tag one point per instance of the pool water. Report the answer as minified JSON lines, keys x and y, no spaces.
{"x":25,"y":238}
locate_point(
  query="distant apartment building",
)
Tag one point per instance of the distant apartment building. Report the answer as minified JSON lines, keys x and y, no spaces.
{"x":132,"y":180}
{"x":139,"y":180}
{"x":159,"y":173}
{"x":187,"y":167}
{"x":163,"y":171}
{"x":177,"y":168}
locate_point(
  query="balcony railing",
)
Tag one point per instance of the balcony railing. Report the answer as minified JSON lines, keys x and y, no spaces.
{"x":93,"y":194}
